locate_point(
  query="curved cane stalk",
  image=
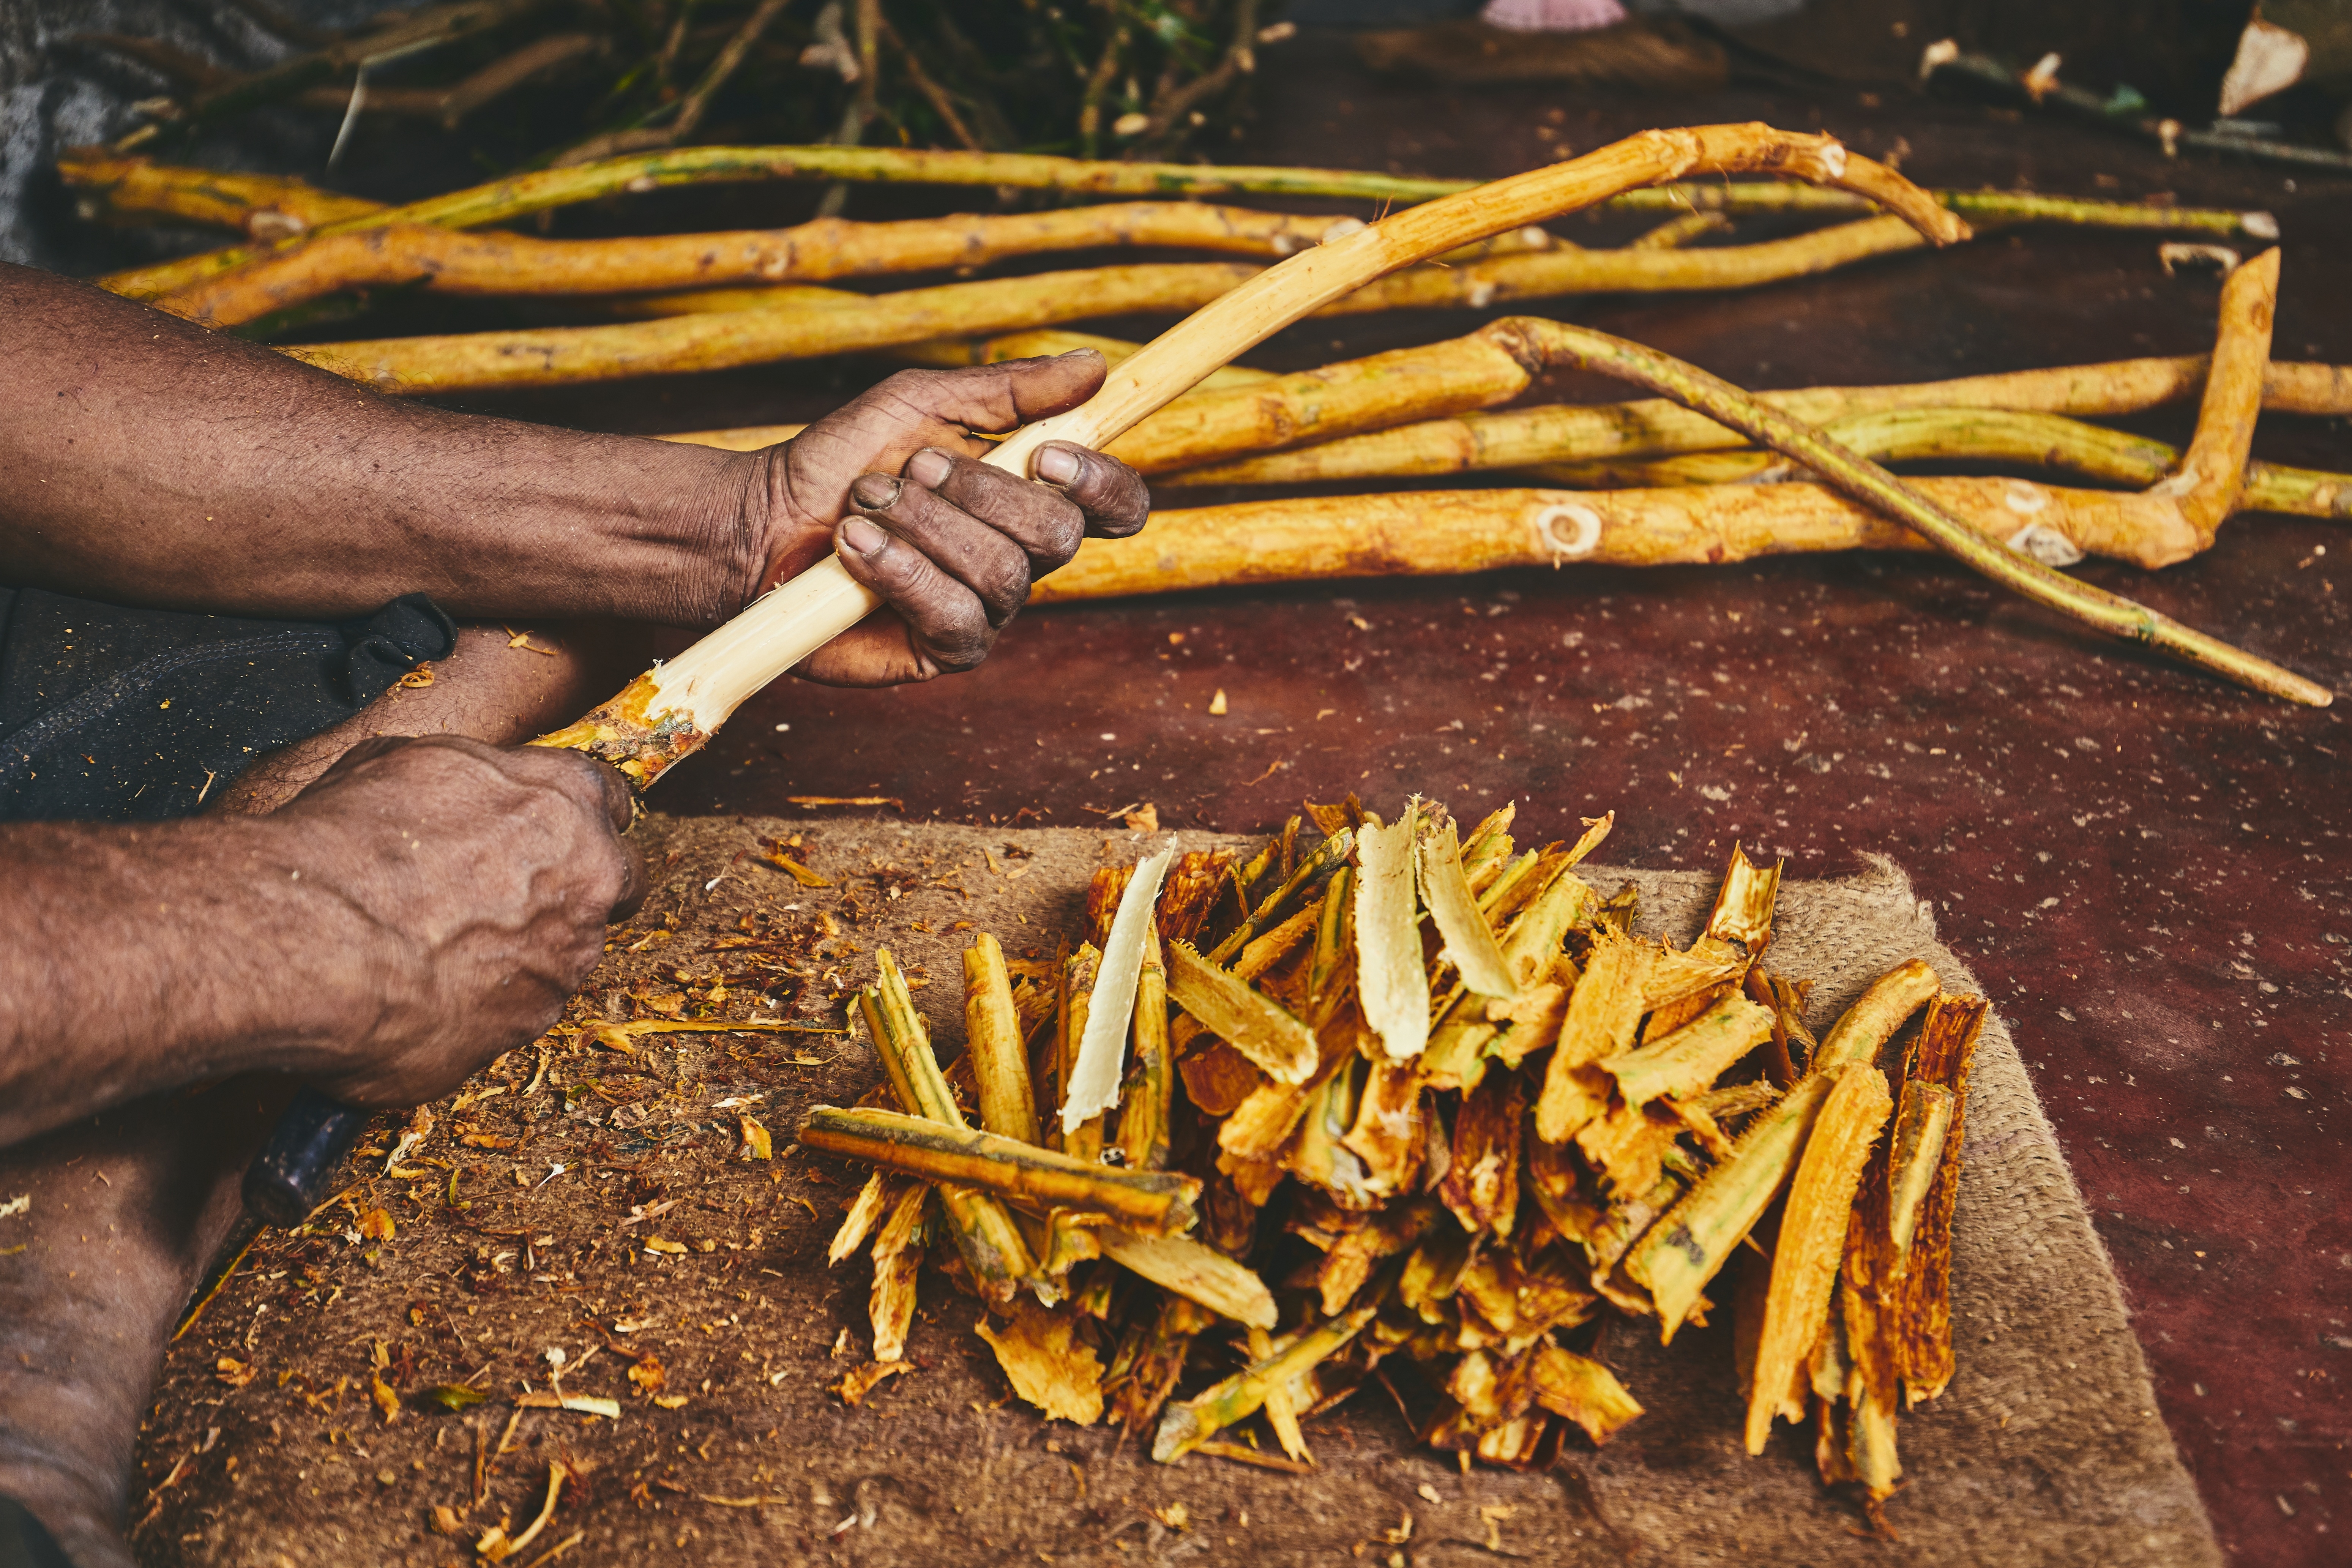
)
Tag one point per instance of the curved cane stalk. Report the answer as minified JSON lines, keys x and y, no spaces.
{"x":1863,"y":480}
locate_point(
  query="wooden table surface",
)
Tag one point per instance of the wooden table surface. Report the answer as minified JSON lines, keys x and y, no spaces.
{"x":2146,"y":868}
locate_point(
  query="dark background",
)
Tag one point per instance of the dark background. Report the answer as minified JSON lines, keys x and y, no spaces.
{"x":2148,"y":867}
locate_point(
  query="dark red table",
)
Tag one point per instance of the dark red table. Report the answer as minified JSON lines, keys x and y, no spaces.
{"x":2146,"y":868}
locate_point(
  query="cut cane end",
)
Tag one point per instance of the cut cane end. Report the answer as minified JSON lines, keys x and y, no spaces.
{"x":625,"y":732}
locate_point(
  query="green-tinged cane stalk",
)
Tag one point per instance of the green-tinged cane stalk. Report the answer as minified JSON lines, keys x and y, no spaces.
{"x":1333,"y":851}
{"x":1865,"y":482}
{"x":1187,"y":1425}
{"x":1678,"y":1255}
{"x":1158,"y":1201}
{"x":1865,"y":1027}
{"x":1687,"y":1060}
{"x":1195,"y":1273}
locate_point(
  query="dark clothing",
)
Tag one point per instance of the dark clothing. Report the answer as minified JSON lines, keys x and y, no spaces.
{"x":22,"y":1543}
{"x":110,"y":714}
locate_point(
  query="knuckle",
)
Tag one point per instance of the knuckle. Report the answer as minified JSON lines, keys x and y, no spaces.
{"x":905,"y":386}
{"x":961,"y":653}
{"x":1060,"y":541}
{"x":1008,"y":584}
{"x":956,"y":632}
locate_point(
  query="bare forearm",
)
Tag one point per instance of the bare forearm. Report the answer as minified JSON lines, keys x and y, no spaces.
{"x":136,"y":960}
{"x":422,"y":907}
{"x":145,"y":459}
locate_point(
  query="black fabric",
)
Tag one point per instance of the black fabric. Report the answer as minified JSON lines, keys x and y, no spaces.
{"x":110,"y":714}
{"x":24,"y":1543}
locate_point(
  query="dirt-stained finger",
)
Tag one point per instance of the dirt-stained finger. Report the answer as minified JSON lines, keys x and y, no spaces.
{"x":947,"y":624}
{"x":990,"y":562}
{"x":1114,"y":498}
{"x":1039,"y":518}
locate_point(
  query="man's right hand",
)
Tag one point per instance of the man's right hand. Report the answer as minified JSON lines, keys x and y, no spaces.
{"x":486,"y":878}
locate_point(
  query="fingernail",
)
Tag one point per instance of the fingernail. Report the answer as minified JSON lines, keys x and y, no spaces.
{"x":862,"y":536}
{"x":1057,"y":465}
{"x":930,"y":468}
{"x":875,"y":492}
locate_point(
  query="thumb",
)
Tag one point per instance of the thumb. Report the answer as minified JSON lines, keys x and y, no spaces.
{"x":1012,"y":393}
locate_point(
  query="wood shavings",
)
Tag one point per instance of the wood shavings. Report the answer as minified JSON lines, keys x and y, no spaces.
{"x":1044,"y":1363}
{"x":1093,"y":1085}
{"x":1392,"y":986}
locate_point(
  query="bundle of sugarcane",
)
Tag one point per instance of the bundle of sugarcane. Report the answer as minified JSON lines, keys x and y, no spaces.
{"x":1445,"y":1098}
{"x":312,"y":244}
{"x":1376,"y":266}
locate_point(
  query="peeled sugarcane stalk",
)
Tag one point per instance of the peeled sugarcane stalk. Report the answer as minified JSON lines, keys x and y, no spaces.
{"x":135,"y":184}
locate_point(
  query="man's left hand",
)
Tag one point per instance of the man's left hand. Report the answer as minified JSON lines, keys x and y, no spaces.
{"x":894,"y":483}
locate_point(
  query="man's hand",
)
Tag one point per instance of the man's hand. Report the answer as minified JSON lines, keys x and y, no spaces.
{"x":487,"y":876}
{"x":894,"y":481}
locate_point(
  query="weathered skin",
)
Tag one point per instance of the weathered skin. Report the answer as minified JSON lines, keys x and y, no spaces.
{"x":374,"y":914}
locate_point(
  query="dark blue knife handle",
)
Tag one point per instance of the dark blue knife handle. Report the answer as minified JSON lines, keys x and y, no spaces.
{"x":289,"y":1177}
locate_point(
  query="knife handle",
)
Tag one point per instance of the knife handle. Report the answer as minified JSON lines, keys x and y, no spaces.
{"x":289,"y":1177}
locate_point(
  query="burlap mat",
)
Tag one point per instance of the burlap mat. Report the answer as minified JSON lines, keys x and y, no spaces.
{"x":2047,"y":1448}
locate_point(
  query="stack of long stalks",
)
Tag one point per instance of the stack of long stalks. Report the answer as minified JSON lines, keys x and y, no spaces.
{"x":1640,"y":483}
{"x":1408,"y":1098}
